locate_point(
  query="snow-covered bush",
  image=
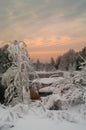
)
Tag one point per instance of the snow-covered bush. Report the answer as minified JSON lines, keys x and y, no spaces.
{"x":80,"y":78}
{"x":55,"y":102}
{"x":71,"y":93}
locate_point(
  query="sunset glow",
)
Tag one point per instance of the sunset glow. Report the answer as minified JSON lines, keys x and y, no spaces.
{"x":49,"y":27}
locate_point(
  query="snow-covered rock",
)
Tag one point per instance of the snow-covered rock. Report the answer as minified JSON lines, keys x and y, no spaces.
{"x":48,"y":89}
{"x":46,"y":80}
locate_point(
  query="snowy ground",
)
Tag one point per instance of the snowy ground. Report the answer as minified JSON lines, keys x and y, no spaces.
{"x":36,"y":123}
{"x":23,"y":117}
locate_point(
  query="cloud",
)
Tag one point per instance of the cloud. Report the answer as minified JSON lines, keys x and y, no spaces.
{"x":44,"y":24}
{"x":40,"y":42}
{"x":36,"y":17}
{"x":55,"y":43}
{"x":60,"y":40}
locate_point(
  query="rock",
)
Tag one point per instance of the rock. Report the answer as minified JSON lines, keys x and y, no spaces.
{"x":34,"y":94}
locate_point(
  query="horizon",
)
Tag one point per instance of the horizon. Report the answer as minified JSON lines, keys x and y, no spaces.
{"x":48,"y":60}
{"x":50,"y":28}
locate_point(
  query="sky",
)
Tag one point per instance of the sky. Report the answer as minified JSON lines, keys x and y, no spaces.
{"x":49,"y":27}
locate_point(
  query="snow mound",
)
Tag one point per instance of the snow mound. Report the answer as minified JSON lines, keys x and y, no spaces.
{"x":46,"y":80}
{"x":47,"y":89}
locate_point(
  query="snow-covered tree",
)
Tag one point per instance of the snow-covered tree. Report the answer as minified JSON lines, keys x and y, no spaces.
{"x":83,"y":67}
{"x":16,"y":78}
{"x":68,"y":61}
{"x":81,"y":56}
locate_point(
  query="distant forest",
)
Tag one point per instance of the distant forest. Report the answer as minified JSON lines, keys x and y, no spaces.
{"x":70,"y":60}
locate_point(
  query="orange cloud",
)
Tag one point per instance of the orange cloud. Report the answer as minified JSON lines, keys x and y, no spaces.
{"x":35,"y":42}
{"x":41,"y":41}
{"x":65,"y":39}
{"x":78,"y":40}
{"x":62,"y":39}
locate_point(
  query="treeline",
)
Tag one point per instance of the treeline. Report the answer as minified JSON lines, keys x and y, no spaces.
{"x":39,"y":66}
{"x":70,"y":60}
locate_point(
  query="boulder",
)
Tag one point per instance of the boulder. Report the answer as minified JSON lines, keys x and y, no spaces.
{"x":34,"y":94}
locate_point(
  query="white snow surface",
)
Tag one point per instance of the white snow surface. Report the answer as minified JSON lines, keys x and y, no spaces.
{"x":36,"y":117}
{"x":47,"y":89}
{"x":46,"y":80}
{"x":35,"y":123}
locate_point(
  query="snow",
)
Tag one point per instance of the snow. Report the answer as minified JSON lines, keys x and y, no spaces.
{"x":46,"y":80}
{"x":23,"y":117}
{"x":47,"y":89}
{"x":35,"y":123}
{"x":53,"y":112}
{"x":51,"y":101}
